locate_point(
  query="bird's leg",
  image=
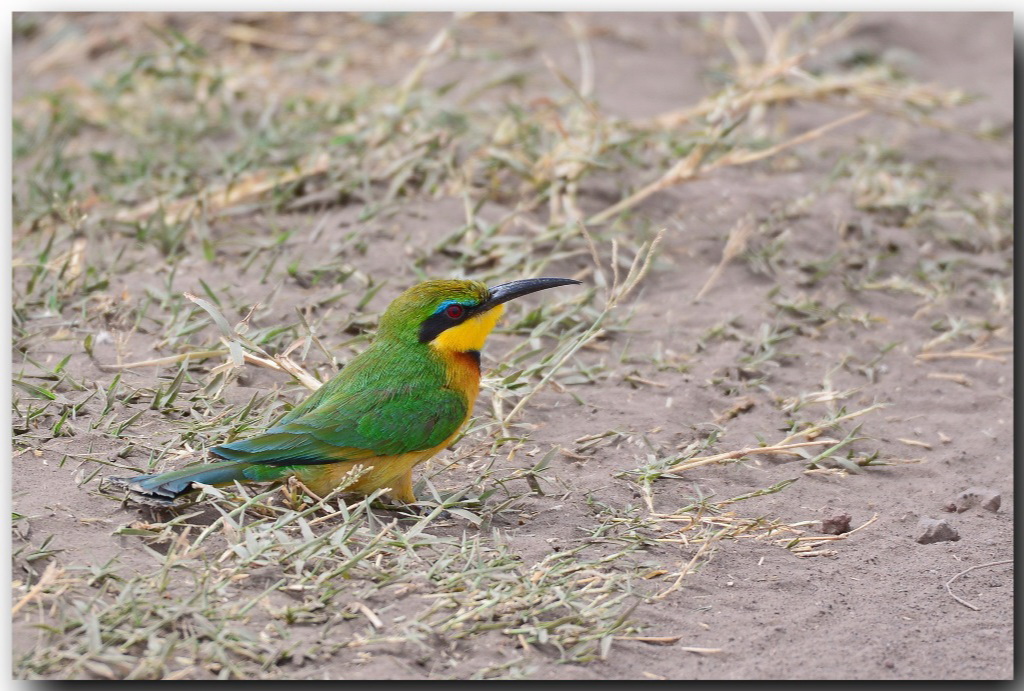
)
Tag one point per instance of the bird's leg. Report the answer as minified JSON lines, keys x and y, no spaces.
{"x":402,"y":492}
{"x":293,"y":488}
{"x":316,"y":497}
{"x":402,"y":498}
{"x":402,"y":488}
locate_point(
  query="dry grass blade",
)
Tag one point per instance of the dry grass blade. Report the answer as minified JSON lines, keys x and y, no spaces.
{"x":434,"y":48}
{"x":161,"y":361}
{"x":655,"y":640}
{"x":818,"y":428}
{"x":283,"y":363}
{"x":686,"y":169}
{"x":370,"y":615}
{"x":585,"y":53}
{"x":735,"y":244}
{"x":782,"y":448}
{"x":678,"y":583}
{"x":740,"y":157}
{"x":995,"y":354}
{"x":243,"y":33}
{"x":700,"y":651}
{"x":236,"y":342}
{"x":789,"y":445}
{"x":862,"y":526}
{"x":50,"y":575}
{"x":961,"y":379}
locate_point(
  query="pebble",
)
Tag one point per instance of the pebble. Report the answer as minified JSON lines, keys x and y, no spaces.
{"x":986,"y":498}
{"x":836,"y":525}
{"x":931,"y":530}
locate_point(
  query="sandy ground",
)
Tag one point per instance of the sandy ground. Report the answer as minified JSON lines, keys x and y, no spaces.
{"x":873,"y":605}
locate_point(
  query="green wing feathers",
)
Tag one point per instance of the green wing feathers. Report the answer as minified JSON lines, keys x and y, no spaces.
{"x":384,"y":403}
{"x":352,"y":427}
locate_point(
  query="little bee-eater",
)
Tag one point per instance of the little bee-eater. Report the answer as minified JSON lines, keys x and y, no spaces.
{"x":393,"y":406}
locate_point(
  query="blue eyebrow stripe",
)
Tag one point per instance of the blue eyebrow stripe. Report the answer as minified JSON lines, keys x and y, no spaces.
{"x":448,"y":303}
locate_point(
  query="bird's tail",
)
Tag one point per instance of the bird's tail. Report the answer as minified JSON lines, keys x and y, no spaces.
{"x":166,"y":487}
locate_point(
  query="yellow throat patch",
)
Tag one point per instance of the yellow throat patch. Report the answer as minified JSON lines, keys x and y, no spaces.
{"x":470,"y":334}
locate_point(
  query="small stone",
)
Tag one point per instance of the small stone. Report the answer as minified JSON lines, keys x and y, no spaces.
{"x":991,"y":503}
{"x":984,"y":497}
{"x":931,"y":530}
{"x":837,"y":525}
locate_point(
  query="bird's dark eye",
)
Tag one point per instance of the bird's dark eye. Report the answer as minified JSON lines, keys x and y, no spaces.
{"x":454,"y":311}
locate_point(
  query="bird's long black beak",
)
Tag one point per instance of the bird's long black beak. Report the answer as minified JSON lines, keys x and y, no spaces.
{"x":511,"y":291}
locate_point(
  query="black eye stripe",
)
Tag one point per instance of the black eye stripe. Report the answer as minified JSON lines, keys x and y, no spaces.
{"x":433,"y":325}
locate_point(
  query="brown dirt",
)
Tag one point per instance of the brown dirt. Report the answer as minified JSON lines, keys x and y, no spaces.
{"x":875,"y":606}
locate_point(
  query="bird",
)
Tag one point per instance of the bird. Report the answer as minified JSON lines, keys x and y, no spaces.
{"x":392,"y":407}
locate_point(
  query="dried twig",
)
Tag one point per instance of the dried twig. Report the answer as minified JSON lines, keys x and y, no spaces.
{"x":963,"y":602}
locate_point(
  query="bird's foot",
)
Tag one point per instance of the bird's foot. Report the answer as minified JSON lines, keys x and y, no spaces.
{"x":293,"y":489}
{"x":409,"y":508}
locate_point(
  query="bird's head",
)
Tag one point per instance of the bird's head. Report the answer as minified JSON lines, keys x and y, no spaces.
{"x":454,"y":315}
